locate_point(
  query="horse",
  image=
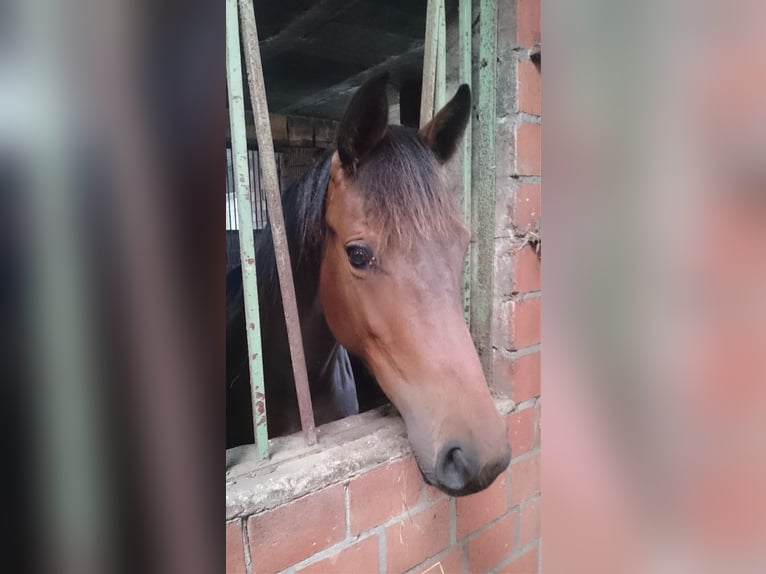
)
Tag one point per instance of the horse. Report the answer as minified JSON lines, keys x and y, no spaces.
{"x":377,"y":246}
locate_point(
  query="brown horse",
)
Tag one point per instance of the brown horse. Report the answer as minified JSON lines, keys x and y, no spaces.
{"x":378,"y":246}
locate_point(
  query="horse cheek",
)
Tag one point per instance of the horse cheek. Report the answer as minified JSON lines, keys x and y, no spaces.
{"x":332,"y":299}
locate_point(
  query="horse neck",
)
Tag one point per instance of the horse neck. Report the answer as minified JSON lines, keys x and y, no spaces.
{"x":319,"y":343}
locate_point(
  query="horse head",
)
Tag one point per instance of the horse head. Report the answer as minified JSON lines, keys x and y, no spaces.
{"x":390,"y":285}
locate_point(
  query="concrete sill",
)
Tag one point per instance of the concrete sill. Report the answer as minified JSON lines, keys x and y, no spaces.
{"x":345,"y":448}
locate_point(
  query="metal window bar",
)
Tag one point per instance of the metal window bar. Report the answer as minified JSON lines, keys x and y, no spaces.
{"x":483,"y":183}
{"x":246,"y":242}
{"x":258,"y":198}
{"x":433,"y":97}
{"x":258,"y":201}
{"x":268,"y":165}
{"x":464,"y":71}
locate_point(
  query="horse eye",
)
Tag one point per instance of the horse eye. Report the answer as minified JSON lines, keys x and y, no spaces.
{"x":359,"y":256}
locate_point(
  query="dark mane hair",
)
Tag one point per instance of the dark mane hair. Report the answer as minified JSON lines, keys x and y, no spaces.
{"x":404,"y":190}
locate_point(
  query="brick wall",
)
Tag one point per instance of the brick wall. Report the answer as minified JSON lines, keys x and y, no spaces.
{"x":387,"y":519}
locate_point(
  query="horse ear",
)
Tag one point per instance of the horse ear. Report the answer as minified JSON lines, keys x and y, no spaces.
{"x":364,"y":123}
{"x":444,"y":131}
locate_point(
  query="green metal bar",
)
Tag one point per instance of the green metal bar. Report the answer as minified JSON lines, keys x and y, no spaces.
{"x":483,"y":176}
{"x":440,"y":92}
{"x":464,"y":69}
{"x":268,"y":165}
{"x":246,"y":243}
{"x":430,"y":50}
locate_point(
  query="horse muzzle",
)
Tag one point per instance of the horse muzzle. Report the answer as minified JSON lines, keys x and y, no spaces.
{"x":459,"y":471}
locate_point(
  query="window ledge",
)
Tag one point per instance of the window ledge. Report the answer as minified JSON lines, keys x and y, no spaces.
{"x":346,"y":448}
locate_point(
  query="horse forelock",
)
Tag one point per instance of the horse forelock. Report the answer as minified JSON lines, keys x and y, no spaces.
{"x":405,"y":190}
{"x":403,"y":187}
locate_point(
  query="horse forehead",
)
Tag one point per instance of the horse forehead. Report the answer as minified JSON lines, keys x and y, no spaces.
{"x":344,"y":203}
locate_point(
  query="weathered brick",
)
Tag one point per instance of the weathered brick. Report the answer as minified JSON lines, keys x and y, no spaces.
{"x":415,"y":538}
{"x":450,"y":562}
{"x":525,"y":323}
{"x":504,"y":263}
{"x":278,"y":127}
{"x":528,"y":150}
{"x":505,"y":204}
{"x":505,"y":147}
{"x":324,"y":131}
{"x":300,"y":131}
{"x":432,"y":493}
{"x":235,"y":550}
{"x":490,"y":547}
{"x":506,"y":28}
{"x":526,"y":563}
{"x":502,"y":315}
{"x":502,"y":381}
{"x":528,"y":86}
{"x":529,"y":522}
{"x":505,"y":87}
{"x":478,"y":509}
{"x":521,"y":431}
{"x":526,"y":270}
{"x":525,"y":377}
{"x":295,"y":531}
{"x":526,"y":208}
{"x":525,"y":478}
{"x":517,"y":377}
{"x":383,"y":493}
{"x":362,"y":556}
{"x":528,"y":22}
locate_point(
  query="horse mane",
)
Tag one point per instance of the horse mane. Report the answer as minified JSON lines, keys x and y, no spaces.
{"x":404,"y":191}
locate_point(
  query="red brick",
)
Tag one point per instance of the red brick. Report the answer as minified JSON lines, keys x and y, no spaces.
{"x":450,"y":562}
{"x":415,"y":538}
{"x":528,"y":141}
{"x":360,"y":557}
{"x":235,"y":550}
{"x":479,"y":509}
{"x":525,"y":377}
{"x":526,"y":209}
{"x":432,"y":493}
{"x":529,"y":523}
{"x":528,"y":22}
{"x":295,"y":531}
{"x":525,"y":478}
{"x":383,"y":493}
{"x":525,"y":323}
{"x":521,"y":431}
{"x":491,"y":546}
{"x":526,"y":563}
{"x":528,"y":78}
{"x":526,"y":270}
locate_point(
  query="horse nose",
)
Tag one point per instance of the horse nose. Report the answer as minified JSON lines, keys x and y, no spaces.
{"x":459,"y":471}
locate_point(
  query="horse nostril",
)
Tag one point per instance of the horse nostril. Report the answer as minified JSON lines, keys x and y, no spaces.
{"x":455,"y":468}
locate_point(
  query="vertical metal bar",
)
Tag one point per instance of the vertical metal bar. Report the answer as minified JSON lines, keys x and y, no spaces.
{"x":253,"y":184}
{"x":260,"y":190}
{"x":464,"y":69}
{"x":274,"y":205}
{"x":235,"y":211}
{"x":430,"y":50}
{"x":440,"y":91}
{"x":483,"y":172}
{"x":246,"y":244}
